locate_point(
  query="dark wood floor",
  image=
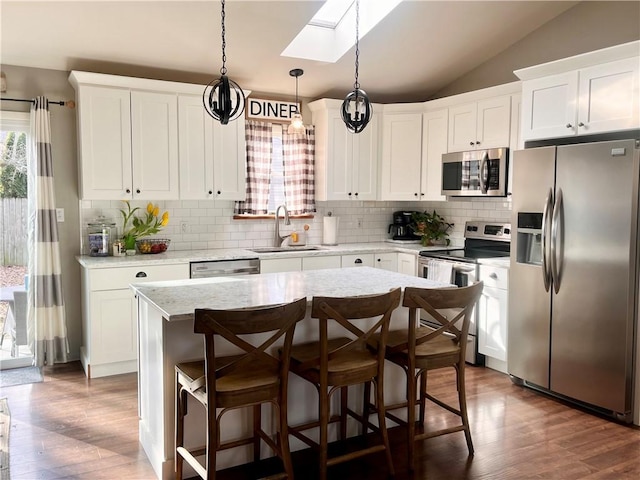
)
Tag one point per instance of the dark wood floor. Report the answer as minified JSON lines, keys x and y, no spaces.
{"x":70,"y":427}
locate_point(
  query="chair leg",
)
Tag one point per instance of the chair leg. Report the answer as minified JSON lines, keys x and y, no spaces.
{"x":179,"y":429}
{"x":411,"y":417}
{"x":324,"y":440}
{"x":383,"y":426}
{"x":284,"y":441}
{"x":344,"y":393}
{"x":212,"y":442}
{"x":366,"y":402}
{"x":257,"y":425}
{"x":462,"y":399}
{"x":423,"y":394}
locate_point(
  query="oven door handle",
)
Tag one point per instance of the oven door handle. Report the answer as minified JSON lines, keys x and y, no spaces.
{"x":546,"y":273}
{"x":484,"y":180}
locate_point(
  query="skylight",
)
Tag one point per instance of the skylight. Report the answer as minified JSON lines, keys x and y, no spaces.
{"x":331,"y":32}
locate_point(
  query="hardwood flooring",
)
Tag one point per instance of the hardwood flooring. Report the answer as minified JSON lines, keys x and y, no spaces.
{"x":71,"y":427}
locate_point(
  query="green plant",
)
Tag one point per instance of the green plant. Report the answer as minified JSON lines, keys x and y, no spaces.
{"x":430,"y":226}
{"x":141,"y":227}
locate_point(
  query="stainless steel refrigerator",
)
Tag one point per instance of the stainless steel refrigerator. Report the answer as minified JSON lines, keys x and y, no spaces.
{"x":573,"y":291}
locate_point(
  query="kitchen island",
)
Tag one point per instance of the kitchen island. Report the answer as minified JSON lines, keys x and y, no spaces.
{"x":165,"y":326}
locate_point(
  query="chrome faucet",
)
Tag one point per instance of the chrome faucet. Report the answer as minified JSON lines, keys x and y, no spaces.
{"x":277,"y":239}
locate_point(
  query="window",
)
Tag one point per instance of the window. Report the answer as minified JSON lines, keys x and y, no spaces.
{"x":280,"y":170}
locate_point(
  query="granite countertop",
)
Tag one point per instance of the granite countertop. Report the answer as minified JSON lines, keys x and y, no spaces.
{"x":186,"y":256}
{"x":177,"y":300}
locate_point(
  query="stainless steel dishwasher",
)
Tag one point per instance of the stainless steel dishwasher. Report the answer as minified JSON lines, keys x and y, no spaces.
{"x":224,"y":268}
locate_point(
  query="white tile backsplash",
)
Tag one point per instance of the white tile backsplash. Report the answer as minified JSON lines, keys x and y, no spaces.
{"x":210,"y":223}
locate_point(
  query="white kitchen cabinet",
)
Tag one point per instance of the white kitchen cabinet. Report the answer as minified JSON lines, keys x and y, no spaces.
{"x":401,"y":156}
{"x":212,"y":155}
{"x":515,"y":141}
{"x":321,"y":263}
{"x":595,"y":99}
{"x":435,"y":128}
{"x":386,"y":261}
{"x":407,"y":263}
{"x":275,"y":265}
{"x":479,"y":125}
{"x":154,"y":145}
{"x":109,"y":328}
{"x":492,"y":312}
{"x":104,"y":143}
{"x":358,"y":260}
{"x":346,"y":164}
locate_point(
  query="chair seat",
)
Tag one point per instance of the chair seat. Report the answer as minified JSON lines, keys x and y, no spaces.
{"x":436,"y":353}
{"x":254,"y":383}
{"x":353,"y":366}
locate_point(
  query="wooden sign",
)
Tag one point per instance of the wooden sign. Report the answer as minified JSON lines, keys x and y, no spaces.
{"x":274,"y":110}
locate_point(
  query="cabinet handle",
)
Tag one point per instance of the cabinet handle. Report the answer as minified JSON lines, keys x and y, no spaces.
{"x":422,"y":194}
{"x":128,"y":190}
{"x":356,"y":194}
{"x":569,"y":125}
{"x":415,"y":194}
{"x":358,"y":260}
{"x":477,"y":143}
{"x":137,"y":190}
{"x":349,"y":194}
{"x":219,"y":192}
{"x":379,"y":259}
{"x":141,"y":275}
{"x":210,"y":192}
{"x":581,"y":124}
{"x":471,"y":143}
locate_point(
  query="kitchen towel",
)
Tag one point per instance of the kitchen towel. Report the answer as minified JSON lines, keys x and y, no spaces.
{"x":330,"y":230}
{"x":439,"y":271}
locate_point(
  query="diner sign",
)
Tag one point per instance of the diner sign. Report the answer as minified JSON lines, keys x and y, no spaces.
{"x":260,"y":109}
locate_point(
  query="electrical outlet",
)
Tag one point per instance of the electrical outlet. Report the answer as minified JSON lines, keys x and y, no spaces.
{"x":184,"y":227}
{"x":60,"y":215}
{"x":359,"y":221}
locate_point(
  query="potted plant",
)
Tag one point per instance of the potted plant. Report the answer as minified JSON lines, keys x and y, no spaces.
{"x":140,"y":227}
{"x":431,"y":227}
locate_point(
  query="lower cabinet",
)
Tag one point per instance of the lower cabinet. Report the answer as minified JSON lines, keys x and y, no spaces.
{"x":109,"y":317}
{"x":407,"y":263}
{"x":320,"y":263}
{"x":275,"y":265}
{"x":492,"y":316}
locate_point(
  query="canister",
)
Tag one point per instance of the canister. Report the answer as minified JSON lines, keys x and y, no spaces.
{"x":101,"y":234}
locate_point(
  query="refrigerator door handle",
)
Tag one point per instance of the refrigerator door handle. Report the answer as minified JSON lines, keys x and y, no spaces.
{"x":546,"y":273}
{"x":555,"y":221}
{"x":484,"y":179}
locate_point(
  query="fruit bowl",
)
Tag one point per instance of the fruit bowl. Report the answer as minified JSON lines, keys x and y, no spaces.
{"x":155,"y":245}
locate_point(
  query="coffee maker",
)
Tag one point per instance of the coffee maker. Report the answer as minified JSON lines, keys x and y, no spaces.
{"x":400,"y":229}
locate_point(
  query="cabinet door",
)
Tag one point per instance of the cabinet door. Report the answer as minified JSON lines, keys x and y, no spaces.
{"x":609,"y":97}
{"x":386,"y":261}
{"x":339,"y":159}
{"x":229,"y":160}
{"x":104,"y":129}
{"x":195,"y":135}
{"x":362,"y":260}
{"x":365,"y":162}
{"x":549,"y":106}
{"x":407,"y":263}
{"x":321,"y":263}
{"x":401,"y":156}
{"x":492,"y":323}
{"x":462,"y":127}
{"x":113,"y":327}
{"x":494,"y":122}
{"x":154,"y":140}
{"x":515,"y":138}
{"x":274,"y":265}
{"x":434,"y":145}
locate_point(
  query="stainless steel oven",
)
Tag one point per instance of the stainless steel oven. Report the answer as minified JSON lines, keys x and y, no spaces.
{"x":460,"y":267}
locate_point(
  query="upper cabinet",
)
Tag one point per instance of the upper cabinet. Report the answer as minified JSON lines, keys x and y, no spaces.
{"x":587,"y":94}
{"x":346,"y":164}
{"x":480,"y":125}
{"x":212,"y":158}
{"x":152,"y":140}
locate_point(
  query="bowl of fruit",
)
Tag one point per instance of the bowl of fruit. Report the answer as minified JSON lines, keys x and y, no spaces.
{"x":155,"y":245}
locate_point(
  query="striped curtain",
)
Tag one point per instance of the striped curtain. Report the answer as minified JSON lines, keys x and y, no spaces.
{"x":259,"y":153}
{"x":46,"y":318}
{"x":298,"y":153}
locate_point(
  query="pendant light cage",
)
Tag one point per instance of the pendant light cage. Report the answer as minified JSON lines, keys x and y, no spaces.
{"x":223,"y":99}
{"x":356,"y":108}
{"x":296,"y":127}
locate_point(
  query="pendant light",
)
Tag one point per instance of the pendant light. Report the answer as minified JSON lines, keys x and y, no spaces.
{"x":223,"y":98}
{"x":296,"y":127}
{"x":356,"y":107}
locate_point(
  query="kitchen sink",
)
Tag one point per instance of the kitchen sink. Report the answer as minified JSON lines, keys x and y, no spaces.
{"x":283,"y":249}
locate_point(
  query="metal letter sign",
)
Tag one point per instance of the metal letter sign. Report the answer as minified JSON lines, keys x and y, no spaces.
{"x":275,"y":110}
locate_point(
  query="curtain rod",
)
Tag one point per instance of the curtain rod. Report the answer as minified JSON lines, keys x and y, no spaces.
{"x":66,"y":103}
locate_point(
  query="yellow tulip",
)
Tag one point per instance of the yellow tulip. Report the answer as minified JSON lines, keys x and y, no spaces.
{"x":165,"y":216}
{"x":149,"y":207}
{"x":164,"y":221}
{"x":156,"y":211}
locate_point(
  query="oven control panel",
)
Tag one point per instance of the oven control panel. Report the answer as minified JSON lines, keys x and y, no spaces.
{"x":488,"y":230}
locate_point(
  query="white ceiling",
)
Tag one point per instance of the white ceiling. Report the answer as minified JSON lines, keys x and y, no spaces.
{"x":421,"y":47}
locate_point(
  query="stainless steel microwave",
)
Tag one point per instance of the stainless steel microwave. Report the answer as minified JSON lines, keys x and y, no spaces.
{"x":477,"y":173}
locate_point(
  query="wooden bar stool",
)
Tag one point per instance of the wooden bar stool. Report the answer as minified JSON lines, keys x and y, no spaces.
{"x":249,"y":379}
{"x":420,"y":349}
{"x":336,"y":363}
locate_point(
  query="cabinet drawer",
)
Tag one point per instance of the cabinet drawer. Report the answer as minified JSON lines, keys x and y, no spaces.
{"x":496,"y":277}
{"x":120,"y":278}
{"x":362,"y":260}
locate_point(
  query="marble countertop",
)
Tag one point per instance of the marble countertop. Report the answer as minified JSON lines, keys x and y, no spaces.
{"x":177,"y":300}
{"x":186,"y":256}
